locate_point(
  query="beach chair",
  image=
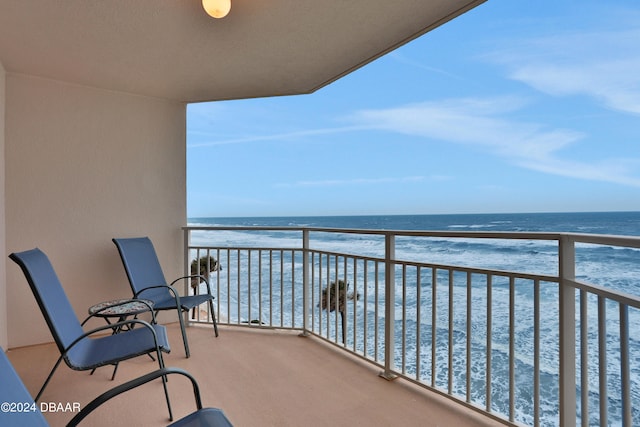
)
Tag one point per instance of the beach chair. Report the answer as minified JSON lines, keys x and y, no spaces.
{"x":77,"y":348}
{"x":21,"y":410}
{"x":148,"y":281}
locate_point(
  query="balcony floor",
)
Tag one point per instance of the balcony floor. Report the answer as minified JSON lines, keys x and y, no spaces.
{"x":259,"y":378}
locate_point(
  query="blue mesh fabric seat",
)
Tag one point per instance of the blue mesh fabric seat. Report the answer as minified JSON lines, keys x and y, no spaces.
{"x":13,"y":392}
{"x":78,"y":348}
{"x":21,"y":410}
{"x":148,"y":281}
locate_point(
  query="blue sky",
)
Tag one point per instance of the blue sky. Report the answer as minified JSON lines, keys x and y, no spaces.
{"x":513,"y":107}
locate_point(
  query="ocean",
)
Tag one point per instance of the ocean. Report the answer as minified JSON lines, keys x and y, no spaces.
{"x":612,"y":268}
{"x":622,"y":266}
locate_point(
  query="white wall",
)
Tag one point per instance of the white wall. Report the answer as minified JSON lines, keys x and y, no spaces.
{"x":84,"y":165}
{"x":4,"y":341}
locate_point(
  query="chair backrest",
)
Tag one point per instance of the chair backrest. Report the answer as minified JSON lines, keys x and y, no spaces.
{"x":54,"y":304}
{"x":18,"y":408}
{"x":142,"y":266}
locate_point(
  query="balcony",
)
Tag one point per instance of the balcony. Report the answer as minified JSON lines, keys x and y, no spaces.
{"x":514,"y":334}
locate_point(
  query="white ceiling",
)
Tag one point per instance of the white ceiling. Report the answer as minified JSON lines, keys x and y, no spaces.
{"x":172,"y":49}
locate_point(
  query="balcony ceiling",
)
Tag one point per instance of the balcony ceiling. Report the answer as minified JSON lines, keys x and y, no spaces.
{"x":172,"y":49}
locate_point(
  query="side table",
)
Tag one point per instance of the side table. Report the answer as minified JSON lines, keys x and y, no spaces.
{"x":120,"y":309}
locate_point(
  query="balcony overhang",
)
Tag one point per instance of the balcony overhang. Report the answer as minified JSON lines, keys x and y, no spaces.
{"x":171,"y":49}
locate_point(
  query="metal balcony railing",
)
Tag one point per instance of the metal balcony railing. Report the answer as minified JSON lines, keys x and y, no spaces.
{"x":519,"y":336}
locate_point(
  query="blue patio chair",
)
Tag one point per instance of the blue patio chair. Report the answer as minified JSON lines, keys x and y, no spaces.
{"x":19,"y":408}
{"x":77,"y":348}
{"x":147,"y":281}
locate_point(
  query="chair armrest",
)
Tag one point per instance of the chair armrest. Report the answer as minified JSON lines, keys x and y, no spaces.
{"x":171,"y":289}
{"x":122,"y":388}
{"x":204,"y":279}
{"x":111,"y":326}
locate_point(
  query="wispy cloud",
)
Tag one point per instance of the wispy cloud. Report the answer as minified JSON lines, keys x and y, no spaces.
{"x":286,"y":136}
{"x":603,"y":65}
{"x":619,"y":171}
{"x":485,"y":124}
{"x":471,"y":121}
{"x":402,"y":59}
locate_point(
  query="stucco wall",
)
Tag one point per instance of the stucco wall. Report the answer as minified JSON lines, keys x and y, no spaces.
{"x":3,"y":288}
{"x":84,"y":165}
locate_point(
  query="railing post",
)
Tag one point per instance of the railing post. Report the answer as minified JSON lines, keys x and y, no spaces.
{"x":567,"y":324}
{"x":389,"y":305}
{"x":305,"y":282}
{"x":186,"y":242}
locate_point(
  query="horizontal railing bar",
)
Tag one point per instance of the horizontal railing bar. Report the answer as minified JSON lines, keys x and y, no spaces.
{"x":408,"y":233}
{"x":605,"y":239}
{"x":620,"y":297}
{"x":601,"y":239}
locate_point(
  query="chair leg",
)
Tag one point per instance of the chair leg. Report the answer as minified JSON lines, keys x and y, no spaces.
{"x":184,"y":333}
{"x":115,"y":369}
{"x":48,"y":378}
{"x":213,"y":316}
{"x":164,"y":382}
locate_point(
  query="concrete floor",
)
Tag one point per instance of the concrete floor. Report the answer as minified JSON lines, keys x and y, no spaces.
{"x":258,"y":377}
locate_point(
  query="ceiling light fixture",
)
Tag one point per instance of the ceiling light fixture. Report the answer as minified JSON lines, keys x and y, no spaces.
{"x":217,"y":8}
